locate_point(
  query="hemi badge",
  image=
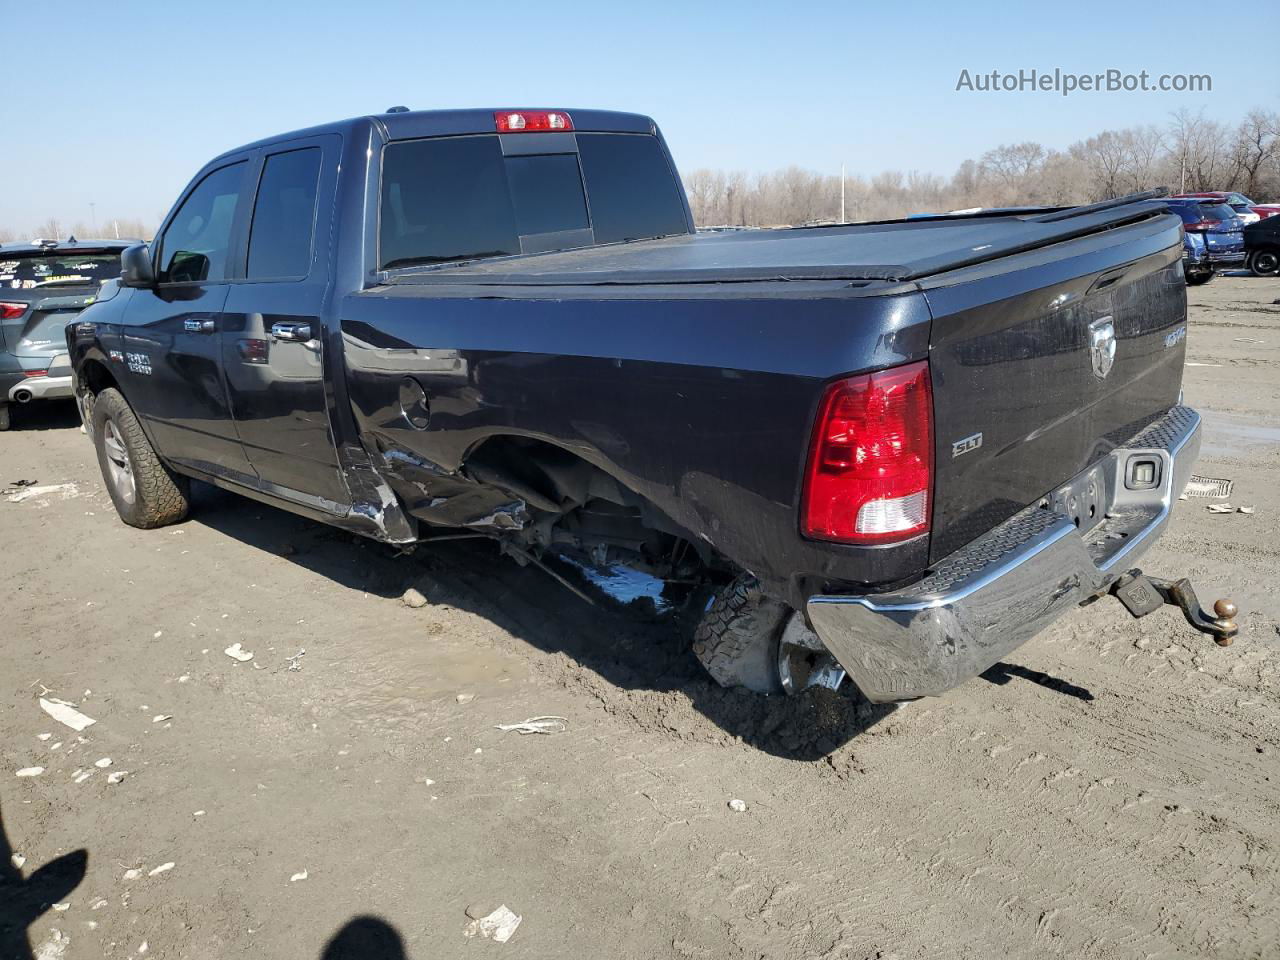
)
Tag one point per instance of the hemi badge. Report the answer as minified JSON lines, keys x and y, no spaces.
{"x":966,"y":445}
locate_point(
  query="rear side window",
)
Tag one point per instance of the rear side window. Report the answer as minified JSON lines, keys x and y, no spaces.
{"x":198,"y":239}
{"x":459,"y":198}
{"x":284,"y":216}
{"x":632,"y":188}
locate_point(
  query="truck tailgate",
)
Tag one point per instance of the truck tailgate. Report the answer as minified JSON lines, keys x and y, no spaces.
{"x":1044,"y":362}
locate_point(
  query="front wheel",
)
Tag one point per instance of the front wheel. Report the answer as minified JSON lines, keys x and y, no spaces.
{"x":1265,"y":263}
{"x":146,"y":493}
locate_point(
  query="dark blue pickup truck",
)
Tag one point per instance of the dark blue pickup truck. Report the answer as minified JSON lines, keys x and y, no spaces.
{"x":893,"y":449}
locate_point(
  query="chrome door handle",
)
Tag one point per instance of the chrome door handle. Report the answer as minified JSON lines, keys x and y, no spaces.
{"x":292,"y":332}
{"x":199,"y":326}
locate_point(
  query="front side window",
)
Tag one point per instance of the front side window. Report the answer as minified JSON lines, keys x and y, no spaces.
{"x":197,"y":242}
{"x":284,"y":216}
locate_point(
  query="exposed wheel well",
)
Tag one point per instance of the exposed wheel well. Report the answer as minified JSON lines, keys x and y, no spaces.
{"x":577,"y":504}
{"x":95,"y":377}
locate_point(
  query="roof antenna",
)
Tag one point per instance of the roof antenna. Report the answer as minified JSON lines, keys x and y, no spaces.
{"x":397,"y":109}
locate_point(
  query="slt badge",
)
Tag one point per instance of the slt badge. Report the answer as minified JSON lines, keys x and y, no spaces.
{"x":1102,"y":346}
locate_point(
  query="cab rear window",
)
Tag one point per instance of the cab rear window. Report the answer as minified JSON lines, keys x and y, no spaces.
{"x":62,"y":269}
{"x":460,"y":198}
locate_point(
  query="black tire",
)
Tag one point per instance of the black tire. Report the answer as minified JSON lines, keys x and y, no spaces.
{"x":1196,"y":279}
{"x":1265,"y":262}
{"x":4,"y":416}
{"x":158,"y":496}
{"x":737,"y":639}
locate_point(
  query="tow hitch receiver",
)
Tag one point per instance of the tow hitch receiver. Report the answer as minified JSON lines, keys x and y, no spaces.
{"x":1141,"y":595}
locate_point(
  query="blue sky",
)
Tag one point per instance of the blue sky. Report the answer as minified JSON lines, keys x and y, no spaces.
{"x":125,"y":101}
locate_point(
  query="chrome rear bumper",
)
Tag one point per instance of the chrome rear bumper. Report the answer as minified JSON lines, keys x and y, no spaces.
{"x":993,"y":595}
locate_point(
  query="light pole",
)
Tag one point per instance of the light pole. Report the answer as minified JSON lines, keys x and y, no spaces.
{"x":842,"y":217}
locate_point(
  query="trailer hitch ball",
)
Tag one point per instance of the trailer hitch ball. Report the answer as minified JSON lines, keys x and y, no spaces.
{"x":1226,"y":612}
{"x":1142,"y":595}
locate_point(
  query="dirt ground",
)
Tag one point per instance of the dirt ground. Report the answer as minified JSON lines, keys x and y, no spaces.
{"x":1112,"y":790}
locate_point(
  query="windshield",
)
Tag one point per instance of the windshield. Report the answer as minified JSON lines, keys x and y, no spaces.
{"x":29,"y":271}
{"x":462,"y":198}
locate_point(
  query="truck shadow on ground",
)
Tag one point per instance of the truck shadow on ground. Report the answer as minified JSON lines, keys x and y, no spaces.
{"x":23,"y":900}
{"x":617,"y":649}
{"x":44,"y":415}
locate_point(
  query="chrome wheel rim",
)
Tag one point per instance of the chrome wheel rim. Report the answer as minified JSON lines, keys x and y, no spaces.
{"x":119,"y":469}
{"x":800,"y":668}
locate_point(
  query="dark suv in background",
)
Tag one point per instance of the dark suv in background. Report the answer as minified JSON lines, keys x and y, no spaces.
{"x":43,"y":285}
{"x":1221,"y":231}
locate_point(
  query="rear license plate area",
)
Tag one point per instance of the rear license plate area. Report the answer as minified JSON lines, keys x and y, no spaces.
{"x":1084,"y":500}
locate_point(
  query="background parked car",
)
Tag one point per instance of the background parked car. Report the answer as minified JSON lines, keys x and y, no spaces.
{"x":1262,"y":247}
{"x":1265,"y":210}
{"x":1244,"y":207}
{"x":43,"y":285}
{"x":1218,"y":226}
{"x":1196,"y":268}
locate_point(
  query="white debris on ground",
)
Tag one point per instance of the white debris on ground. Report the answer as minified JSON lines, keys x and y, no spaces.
{"x":55,"y":948}
{"x":66,"y":713}
{"x":117,"y":776}
{"x":465,"y":697}
{"x":30,"y":771}
{"x":17,"y":860}
{"x":163,"y":868}
{"x":1221,"y":508}
{"x":131,"y":875}
{"x":237,"y":652}
{"x":1210,"y":488}
{"x":497,"y":926}
{"x":547,"y":725}
{"x":301,"y":875}
{"x":67,"y":490}
{"x":413,"y":598}
{"x":738,"y":806}
{"x":103,"y":763}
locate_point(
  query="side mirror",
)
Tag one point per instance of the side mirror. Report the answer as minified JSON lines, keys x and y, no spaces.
{"x":135,"y":267}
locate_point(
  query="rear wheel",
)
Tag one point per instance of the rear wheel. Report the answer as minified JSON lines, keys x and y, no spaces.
{"x":1196,"y":279}
{"x":1265,"y":263}
{"x":145,"y":492}
{"x":742,"y":642}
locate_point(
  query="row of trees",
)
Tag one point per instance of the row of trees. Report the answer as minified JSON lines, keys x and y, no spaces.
{"x":128,"y":229}
{"x":1190,"y":153}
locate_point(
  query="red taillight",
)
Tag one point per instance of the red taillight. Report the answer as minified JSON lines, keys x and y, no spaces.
{"x":870,"y":467}
{"x":12,"y":311}
{"x":35,"y":373}
{"x":531,"y":121}
{"x":1200,"y":226}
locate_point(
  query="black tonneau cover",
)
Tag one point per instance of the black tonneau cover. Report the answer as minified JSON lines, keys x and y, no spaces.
{"x":888,"y":251}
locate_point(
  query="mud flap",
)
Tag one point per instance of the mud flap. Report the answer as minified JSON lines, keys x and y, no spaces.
{"x":1142,"y":595}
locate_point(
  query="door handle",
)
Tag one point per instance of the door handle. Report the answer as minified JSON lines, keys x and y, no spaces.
{"x":291,"y":332}
{"x":199,"y":326}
